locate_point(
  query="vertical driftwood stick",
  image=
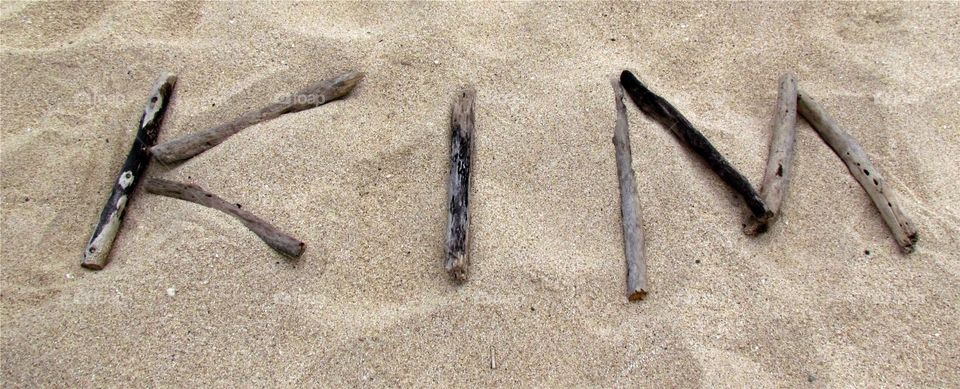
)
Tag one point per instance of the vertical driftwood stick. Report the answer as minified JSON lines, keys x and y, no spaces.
{"x":312,"y":96}
{"x":272,"y":236}
{"x":776,"y":179}
{"x":663,"y":112}
{"x":97,"y":253}
{"x":883,"y":196}
{"x":629,"y":203}
{"x":458,"y":186}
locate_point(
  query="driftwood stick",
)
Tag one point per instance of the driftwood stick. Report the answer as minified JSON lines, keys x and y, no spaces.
{"x":458,"y":185}
{"x":883,"y":196}
{"x":275,"y":238}
{"x":629,"y":203}
{"x":661,"y":111}
{"x":312,"y":96}
{"x":97,"y":252}
{"x":776,"y":178}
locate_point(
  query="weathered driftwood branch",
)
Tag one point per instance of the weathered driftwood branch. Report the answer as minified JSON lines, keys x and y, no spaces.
{"x":629,"y":203}
{"x":97,"y":252}
{"x":661,"y":111}
{"x":458,"y":185}
{"x":883,"y":196}
{"x":275,"y":238}
{"x":312,"y":96}
{"x":776,"y":179}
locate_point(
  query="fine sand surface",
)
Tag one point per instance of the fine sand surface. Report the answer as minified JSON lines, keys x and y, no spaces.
{"x":192,"y":297}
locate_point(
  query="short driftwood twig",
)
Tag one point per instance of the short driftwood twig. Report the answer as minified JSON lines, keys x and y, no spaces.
{"x":312,"y":96}
{"x":629,"y":203}
{"x":97,"y":252}
{"x":493,"y":358}
{"x":458,"y":185}
{"x":862,"y":169}
{"x":776,"y":178}
{"x":663,"y":112}
{"x":273,"y":237}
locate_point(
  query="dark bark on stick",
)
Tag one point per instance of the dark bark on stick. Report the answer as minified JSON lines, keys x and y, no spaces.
{"x":776,"y":179}
{"x":629,"y":203}
{"x":312,"y":96}
{"x":458,"y":186}
{"x":883,"y":196}
{"x":661,"y":111}
{"x":97,"y":252}
{"x":271,"y":235}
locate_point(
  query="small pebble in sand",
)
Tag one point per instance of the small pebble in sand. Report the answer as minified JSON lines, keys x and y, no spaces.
{"x":171,"y":291}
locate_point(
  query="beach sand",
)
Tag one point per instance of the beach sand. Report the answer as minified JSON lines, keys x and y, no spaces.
{"x":191,"y":297}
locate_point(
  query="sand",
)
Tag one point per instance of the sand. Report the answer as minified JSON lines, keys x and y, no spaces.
{"x":191,"y":297}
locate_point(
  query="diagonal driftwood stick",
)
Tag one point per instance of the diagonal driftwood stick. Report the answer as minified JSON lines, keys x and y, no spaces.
{"x":776,"y":179}
{"x":312,"y":96}
{"x":862,"y":170}
{"x":97,"y":252}
{"x":458,"y":185}
{"x":629,"y":203}
{"x":275,"y":238}
{"x":663,"y":112}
